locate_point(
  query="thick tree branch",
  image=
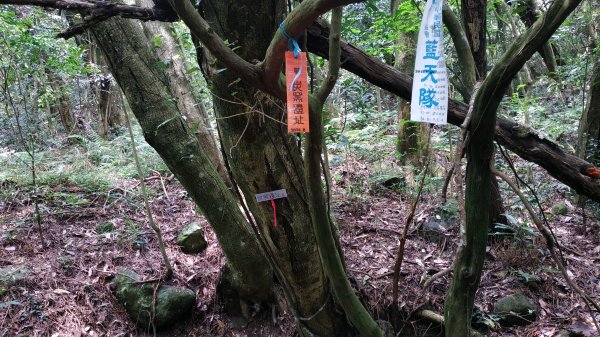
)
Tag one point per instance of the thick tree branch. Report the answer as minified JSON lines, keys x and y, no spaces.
{"x":463,"y":51}
{"x":99,"y":8}
{"x":95,"y":12}
{"x":294,"y":24}
{"x":247,"y":71}
{"x":520,"y":139}
{"x":334,"y":56}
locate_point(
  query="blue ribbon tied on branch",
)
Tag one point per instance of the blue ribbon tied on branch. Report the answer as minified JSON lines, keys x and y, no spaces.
{"x":292,"y":46}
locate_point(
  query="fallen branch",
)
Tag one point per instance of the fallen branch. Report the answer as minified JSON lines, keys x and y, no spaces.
{"x":95,"y":12}
{"x":434,"y":316}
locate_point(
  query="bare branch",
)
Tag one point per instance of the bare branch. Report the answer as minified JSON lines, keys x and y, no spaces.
{"x":95,"y":12}
{"x":294,"y":24}
{"x":100,"y":9}
{"x":334,"y":56}
{"x":247,"y":71}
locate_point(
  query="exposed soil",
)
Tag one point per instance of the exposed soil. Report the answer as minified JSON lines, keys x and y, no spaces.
{"x":67,"y":292}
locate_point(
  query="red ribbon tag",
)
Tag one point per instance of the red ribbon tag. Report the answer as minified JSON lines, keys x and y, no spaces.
{"x":297,"y":92}
{"x":274,"y":213}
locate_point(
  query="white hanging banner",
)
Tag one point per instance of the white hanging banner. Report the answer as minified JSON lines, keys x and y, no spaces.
{"x":429,"y":101}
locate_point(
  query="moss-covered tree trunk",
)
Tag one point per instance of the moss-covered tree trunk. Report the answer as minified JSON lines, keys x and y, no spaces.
{"x":193,"y":109}
{"x":588,"y":143}
{"x":410,"y":143}
{"x":137,"y":70}
{"x":264,"y":157}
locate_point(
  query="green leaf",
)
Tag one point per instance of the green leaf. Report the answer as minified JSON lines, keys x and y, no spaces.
{"x":192,"y":70}
{"x":157,"y":41}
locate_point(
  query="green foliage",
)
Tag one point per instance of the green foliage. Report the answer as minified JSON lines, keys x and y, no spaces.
{"x":133,"y":236}
{"x":522,"y":233}
{"x":374,"y":29}
{"x":94,"y":164}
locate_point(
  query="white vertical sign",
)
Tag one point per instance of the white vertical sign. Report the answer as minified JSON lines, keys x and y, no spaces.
{"x":429,"y":101}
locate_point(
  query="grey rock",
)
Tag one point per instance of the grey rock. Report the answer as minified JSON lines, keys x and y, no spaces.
{"x":10,"y":276}
{"x":435,"y":230}
{"x":515,"y":309}
{"x":191,"y":239}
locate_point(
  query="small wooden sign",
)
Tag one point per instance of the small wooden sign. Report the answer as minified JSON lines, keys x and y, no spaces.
{"x":277,"y":194}
{"x":297,"y":92}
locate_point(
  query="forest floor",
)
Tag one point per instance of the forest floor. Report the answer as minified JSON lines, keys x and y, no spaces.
{"x":65,"y":291}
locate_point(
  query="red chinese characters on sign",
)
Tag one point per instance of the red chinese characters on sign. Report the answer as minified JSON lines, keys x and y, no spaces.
{"x":297,"y":92}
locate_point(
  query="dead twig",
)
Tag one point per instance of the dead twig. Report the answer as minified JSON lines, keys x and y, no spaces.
{"x":407,"y":223}
{"x":434,"y":316}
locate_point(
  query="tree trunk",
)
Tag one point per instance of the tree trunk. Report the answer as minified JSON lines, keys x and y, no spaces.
{"x":588,"y":143}
{"x":471,"y":253}
{"x":61,"y":103}
{"x":264,"y":157}
{"x":193,"y":109}
{"x":474,"y":20}
{"x":146,"y":87}
{"x":410,"y":144}
{"x":104,"y":105}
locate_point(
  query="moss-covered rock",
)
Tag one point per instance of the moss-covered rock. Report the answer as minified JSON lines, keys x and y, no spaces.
{"x":105,"y":227}
{"x":560,"y":209}
{"x":12,"y":275}
{"x":191,"y":239}
{"x":172,"y":303}
{"x":515,"y":309}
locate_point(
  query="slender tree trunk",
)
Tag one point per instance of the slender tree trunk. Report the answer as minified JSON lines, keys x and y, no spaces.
{"x":470,"y":257}
{"x":61,"y":103}
{"x":410,"y":144}
{"x":588,"y":143}
{"x":104,"y":106}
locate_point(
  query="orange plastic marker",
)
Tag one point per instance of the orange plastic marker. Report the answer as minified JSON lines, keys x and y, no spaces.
{"x":297,"y":92}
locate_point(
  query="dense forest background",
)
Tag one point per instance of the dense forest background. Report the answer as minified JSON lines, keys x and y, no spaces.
{"x":135,"y":137}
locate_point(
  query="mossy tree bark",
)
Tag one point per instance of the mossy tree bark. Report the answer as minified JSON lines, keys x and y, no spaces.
{"x":409,"y":142}
{"x":470,"y":255}
{"x":474,"y":19}
{"x":264,"y":157}
{"x":588,"y":143}
{"x":146,"y":87}
{"x":192,"y":108}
